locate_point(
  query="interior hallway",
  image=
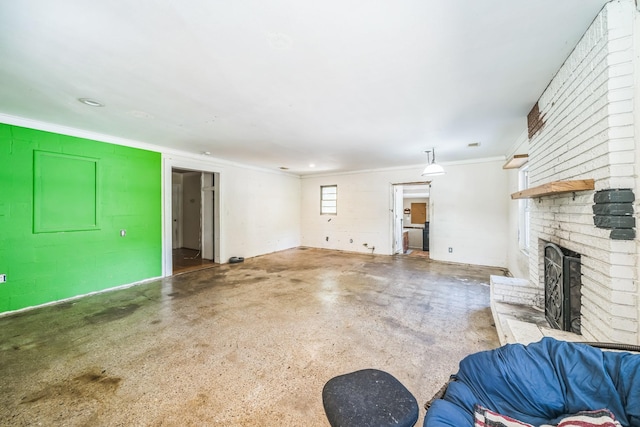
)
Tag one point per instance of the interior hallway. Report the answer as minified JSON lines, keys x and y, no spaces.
{"x":189,"y":260}
{"x":248,"y":344}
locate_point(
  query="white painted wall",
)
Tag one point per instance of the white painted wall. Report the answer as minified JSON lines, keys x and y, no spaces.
{"x":468,"y":212}
{"x":591,"y":111}
{"x":261,"y":212}
{"x":259,"y":209}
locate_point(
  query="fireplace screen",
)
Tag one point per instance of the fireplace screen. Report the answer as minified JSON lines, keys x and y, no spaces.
{"x":562,"y":282}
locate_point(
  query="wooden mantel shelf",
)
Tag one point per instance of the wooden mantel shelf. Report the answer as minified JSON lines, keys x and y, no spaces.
{"x":556,"y":187}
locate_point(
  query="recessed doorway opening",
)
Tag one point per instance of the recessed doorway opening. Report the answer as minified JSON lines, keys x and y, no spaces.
{"x":191,"y":215}
{"x":192,"y":219}
{"x":410,"y":216}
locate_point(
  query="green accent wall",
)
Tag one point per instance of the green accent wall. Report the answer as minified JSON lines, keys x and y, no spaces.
{"x":63,"y":202}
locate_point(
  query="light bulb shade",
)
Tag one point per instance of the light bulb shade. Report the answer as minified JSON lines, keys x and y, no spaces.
{"x":433,"y":169}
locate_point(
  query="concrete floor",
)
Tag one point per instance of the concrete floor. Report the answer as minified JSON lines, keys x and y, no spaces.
{"x":248,"y":344}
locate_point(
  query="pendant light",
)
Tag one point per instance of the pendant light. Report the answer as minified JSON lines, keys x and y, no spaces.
{"x":432,"y":169}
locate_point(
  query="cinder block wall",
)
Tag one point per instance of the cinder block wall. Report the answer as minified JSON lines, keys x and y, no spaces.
{"x":588,"y":131}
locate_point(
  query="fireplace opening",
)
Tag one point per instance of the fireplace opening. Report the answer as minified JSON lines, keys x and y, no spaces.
{"x":562,"y":283}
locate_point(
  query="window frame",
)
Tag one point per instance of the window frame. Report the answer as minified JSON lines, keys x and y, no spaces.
{"x":524,"y":211}
{"x":323,"y":207}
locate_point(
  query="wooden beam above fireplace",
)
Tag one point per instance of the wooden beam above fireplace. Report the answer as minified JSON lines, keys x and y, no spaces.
{"x":555,"y":187}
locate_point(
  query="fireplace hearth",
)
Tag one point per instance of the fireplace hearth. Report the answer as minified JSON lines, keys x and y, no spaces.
{"x":562,"y":283}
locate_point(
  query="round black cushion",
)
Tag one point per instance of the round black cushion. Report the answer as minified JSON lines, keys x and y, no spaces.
{"x":368,"y":398}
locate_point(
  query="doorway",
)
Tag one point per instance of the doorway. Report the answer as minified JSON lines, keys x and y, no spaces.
{"x":193,"y":219}
{"x":410,"y":219}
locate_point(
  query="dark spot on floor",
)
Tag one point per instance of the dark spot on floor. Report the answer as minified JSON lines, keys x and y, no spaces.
{"x":112,"y":313}
{"x":94,"y":385}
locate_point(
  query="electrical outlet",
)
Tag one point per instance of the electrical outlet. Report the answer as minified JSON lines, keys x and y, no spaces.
{"x":3,"y":278}
{"x":350,"y":240}
{"x":326,"y":239}
{"x":450,"y":250}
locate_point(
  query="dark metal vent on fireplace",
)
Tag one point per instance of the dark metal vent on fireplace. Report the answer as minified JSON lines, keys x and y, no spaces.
{"x":562,"y":282}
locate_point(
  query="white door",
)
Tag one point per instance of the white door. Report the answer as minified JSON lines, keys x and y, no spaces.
{"x":176,"y":217}
{"x":207,"y":220}
{"x":398,"y":206}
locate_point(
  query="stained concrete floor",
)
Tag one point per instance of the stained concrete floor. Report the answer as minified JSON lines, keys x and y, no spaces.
{"x":248,"y":344}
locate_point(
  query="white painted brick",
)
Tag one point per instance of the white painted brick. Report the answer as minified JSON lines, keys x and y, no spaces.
{"x":626,"y":325}
{"x":620,"y":94}
{"x":619,"y":57}
{"x":620,"y":182}
{"x":621,"y":170}
{"x":623,"y":285}
{"x":622,"y":337}
{"x":618,"y":33}
{"x":602,"y":307}
{"x":620,"y":107}
{"x":596,"y":327}
{"x":596,"y":281}
{"x":623,"y":259}
{"x":620,"y":297}
{"x":621,"y":119}
{"x":626,"y":311}
{"x":621,"y":157}
{"x":622,"y":143}
{"x":619,"y":15}
{"x":621,"y":70}
{"x":609,"y":272}
{"x":622,"y":246}
{"x":620,"y":43}
{"x":620,"y":82}
{"x":589,"y":133}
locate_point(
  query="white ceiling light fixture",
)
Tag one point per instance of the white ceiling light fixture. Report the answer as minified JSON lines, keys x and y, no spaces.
{"x":91,"y":102}
{"x":432,"y":169}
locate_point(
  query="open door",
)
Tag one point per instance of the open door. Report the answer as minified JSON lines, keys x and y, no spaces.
{"x":176,"y":214}
{"x":194,"y":219}
{"x":397,"y":219}
{"x":208,"y":214}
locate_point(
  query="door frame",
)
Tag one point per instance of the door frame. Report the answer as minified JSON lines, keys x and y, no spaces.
{"x":176,"y":215}
{"x":170,"y":162}
{"x":398,"y":219}
{"x":392,"y":216}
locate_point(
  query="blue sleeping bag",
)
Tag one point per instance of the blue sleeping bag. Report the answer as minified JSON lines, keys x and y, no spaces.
{"x":541,"y":383}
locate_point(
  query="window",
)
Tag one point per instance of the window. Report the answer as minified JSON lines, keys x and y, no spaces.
{"x":524,"y":208}
{"x":328,"y":200}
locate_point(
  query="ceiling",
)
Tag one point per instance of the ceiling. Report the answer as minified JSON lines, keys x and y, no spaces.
{"x":340,"y":85}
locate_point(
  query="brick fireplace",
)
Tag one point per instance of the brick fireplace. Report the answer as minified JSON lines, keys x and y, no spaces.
{"x":588,"y":128}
